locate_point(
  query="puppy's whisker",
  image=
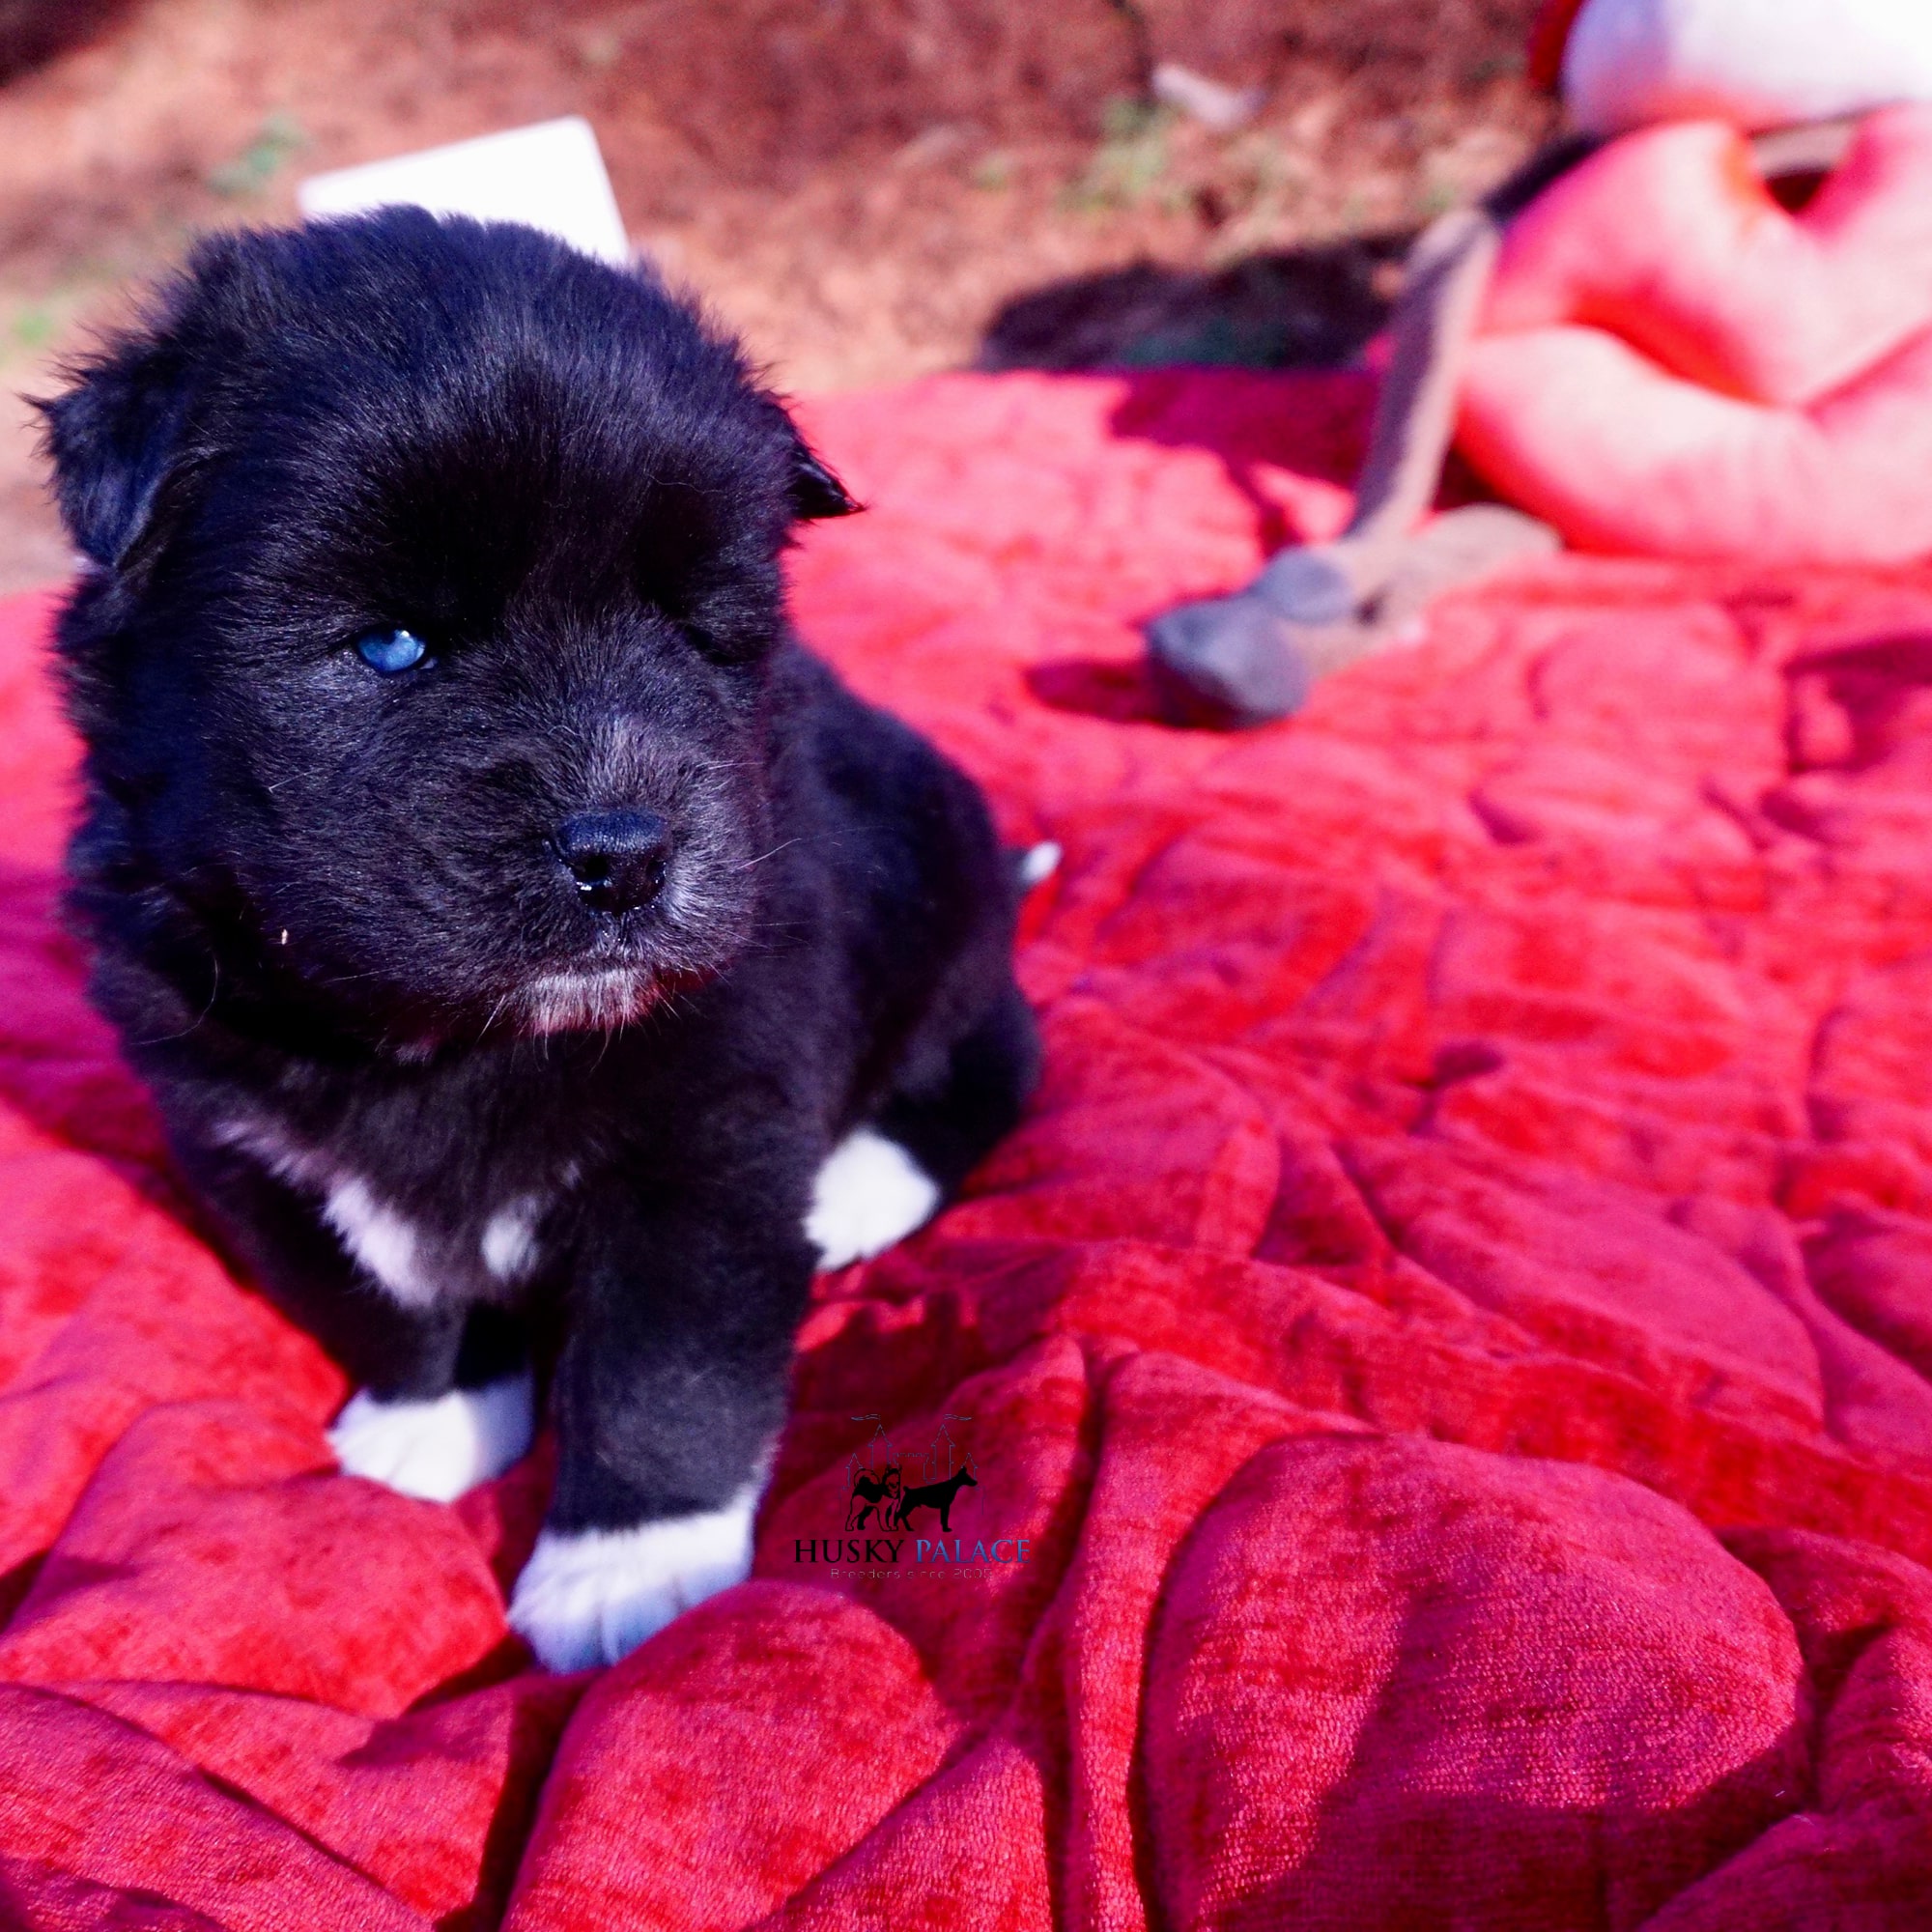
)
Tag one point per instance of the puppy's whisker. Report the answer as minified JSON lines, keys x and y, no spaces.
{"x":763,"y":856}
{"x":213,"y":991}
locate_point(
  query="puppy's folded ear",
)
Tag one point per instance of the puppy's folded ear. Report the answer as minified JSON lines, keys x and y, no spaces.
{"x":115,"y":438}
{"x":816,"y":491}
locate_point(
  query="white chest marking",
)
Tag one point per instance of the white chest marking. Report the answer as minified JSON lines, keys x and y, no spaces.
{"x":379,"y":1239}
{"x":869,"y":1194}
{"x":384,"y":1243}
{"x":435,"y":1449}
{"x":510,"y":1238}
{"x":592,"y":1596}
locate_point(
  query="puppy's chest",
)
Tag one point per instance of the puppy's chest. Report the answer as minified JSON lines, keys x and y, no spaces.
{"x":458,"y":1212}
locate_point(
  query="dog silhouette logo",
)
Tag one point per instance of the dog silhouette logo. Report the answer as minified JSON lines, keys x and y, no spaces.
{"x":872,"y":1493}
{"x":892,"y":1496}
{"x":934,"y":1495}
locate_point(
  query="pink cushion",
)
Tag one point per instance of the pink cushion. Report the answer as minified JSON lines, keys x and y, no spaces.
{"x":1672,"y":365}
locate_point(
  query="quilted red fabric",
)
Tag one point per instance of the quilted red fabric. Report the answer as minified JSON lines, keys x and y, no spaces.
{"x":1454,"y":1335}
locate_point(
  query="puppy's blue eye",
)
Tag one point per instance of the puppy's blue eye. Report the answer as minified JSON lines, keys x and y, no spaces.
{"x":391,"y":651}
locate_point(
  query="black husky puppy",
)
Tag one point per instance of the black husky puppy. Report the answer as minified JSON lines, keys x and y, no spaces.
{"x":515,"y":924}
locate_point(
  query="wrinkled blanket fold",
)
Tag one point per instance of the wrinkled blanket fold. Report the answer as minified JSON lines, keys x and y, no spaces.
{"x":1446,"y":1364}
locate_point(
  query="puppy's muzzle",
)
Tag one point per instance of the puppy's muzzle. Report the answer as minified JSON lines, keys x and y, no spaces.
{"x":619,"y":860}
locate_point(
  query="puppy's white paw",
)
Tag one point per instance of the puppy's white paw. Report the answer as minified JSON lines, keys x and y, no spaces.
{"x":437,"y":1449}
{"x":869,"y":1194}
{"x":593,"y":1595}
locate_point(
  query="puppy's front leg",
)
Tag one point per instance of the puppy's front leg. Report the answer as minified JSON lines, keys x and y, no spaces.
{"x":442,"y":1396}
{"x":669,"y":1392}
{"x":437,"y":1423}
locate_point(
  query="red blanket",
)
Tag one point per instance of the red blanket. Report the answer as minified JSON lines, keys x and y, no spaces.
{"x":1444,"y":1366}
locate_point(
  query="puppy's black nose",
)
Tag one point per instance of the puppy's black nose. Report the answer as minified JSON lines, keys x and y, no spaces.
{"x":618,"y":859}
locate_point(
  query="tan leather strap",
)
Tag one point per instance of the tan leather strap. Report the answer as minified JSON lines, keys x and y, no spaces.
{"x":1443,"y":289}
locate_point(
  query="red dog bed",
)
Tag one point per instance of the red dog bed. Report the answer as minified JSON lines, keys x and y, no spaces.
{"x":1453,"y":1335}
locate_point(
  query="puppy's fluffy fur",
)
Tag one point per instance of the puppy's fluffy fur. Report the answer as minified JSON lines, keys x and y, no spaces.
{"x":439,"y":1081}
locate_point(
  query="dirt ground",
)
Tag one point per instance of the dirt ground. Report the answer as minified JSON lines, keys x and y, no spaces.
{"x":868,"y":189}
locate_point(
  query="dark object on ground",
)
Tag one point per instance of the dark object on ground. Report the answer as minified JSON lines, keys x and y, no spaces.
{"x":1308,"y":308}
{"x":33,"y":31}
{"x":1224,"y":663}
{"x":1229,"y":662}
{"x":511,"y":919}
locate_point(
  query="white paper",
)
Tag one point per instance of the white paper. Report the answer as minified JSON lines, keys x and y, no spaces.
{"x":551,"y":176}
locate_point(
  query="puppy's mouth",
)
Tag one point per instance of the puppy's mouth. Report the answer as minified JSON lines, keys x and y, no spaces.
{"x":588,"y":999}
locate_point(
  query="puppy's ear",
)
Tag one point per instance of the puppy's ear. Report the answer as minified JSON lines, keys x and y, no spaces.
{"x":816,"y":491}
{"x":115,"y":437}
